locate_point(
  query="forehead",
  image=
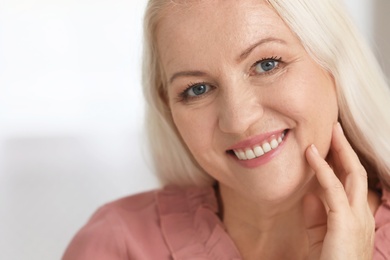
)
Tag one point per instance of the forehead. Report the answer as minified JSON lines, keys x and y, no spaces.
{"x":198,"y":30}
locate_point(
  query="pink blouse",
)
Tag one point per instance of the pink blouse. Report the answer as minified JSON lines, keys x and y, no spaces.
{"x":175,"y":223}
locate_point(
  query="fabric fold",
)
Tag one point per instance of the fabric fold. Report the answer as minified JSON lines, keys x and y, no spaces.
{"x":190,"y":224}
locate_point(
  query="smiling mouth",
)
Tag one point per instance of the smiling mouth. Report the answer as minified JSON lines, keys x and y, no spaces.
{"x":259,"y":150}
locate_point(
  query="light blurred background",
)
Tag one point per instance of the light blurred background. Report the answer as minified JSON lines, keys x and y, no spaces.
{"x":71,"y":113}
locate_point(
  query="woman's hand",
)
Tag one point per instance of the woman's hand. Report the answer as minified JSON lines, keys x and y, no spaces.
{"x":346,"y":229}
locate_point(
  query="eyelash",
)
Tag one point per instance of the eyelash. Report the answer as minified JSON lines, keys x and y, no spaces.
{"x":272,"y":58}
{"x":184,"y":97}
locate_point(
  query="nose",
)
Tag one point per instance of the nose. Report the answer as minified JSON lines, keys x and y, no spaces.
{"x":239,"y":109}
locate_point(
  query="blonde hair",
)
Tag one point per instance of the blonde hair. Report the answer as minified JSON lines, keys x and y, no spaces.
{"x":173,"y":162}
{"x":328,"y":35}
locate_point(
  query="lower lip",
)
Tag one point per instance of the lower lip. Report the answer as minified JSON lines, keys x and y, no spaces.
{"x":253,"y":163}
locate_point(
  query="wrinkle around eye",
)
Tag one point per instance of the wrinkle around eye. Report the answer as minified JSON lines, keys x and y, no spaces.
{"x":182,"y":96}
{"x":271,"y":78}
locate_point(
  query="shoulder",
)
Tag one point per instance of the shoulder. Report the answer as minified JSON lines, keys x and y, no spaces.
{"x":126,"y":228}
{"x":118,"y":229}
{"x":382,"y":228}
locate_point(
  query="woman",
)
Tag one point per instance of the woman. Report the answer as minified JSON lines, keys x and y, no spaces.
{"x":245,"y":105}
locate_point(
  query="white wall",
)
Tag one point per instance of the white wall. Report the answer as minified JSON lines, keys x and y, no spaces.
{"x":70,"y":116}
{"x":361,"y":12}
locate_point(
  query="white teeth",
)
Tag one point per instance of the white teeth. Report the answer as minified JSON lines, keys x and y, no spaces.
{"x":250,"y":154}
{"x":274,"y":144}
{"x":258,"y":151}
{"x":266,"y":147}
{"x":241,"y":155}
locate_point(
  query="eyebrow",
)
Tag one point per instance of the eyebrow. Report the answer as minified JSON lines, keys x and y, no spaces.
{"x":241,"y":57}
{"x":192,"y":73}
{"x":248,"y":51}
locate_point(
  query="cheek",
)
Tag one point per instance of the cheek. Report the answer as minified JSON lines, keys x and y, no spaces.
{"x":324,"y":116}
{"x":312,"y":103}
{"x":195,"y":128}
{"x":311,"y":97}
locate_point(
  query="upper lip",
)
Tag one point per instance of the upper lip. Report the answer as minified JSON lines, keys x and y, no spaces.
{"x":254,"y":140}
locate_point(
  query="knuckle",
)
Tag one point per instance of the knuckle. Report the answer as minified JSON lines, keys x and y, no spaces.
{"x":362,"y":172}
{"x":358,"y":170}
{"x":336,"y":187}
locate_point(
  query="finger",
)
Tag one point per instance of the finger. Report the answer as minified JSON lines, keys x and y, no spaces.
{"x":348,"y":164}
{"x":334,"y":192}
{"x":336,"y":165}
{"x":315,"y":218}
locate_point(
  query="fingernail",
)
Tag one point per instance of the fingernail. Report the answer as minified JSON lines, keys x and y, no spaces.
{"x":340,"y":128}
{"x":314,"y":149}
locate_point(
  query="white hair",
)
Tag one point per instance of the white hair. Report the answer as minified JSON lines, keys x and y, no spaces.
{"x":328,"y":35}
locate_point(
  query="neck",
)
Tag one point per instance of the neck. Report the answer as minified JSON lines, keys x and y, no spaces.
{"x":265,"y":229}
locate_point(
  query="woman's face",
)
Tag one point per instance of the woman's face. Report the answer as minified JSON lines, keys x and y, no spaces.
{"x":244,"y":94}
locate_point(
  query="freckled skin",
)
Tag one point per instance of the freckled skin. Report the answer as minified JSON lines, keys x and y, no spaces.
{"x":298,"y":95}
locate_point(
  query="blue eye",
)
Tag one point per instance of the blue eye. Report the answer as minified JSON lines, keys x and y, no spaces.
{"x":197,"y":90}
{"x":266,"y":65}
